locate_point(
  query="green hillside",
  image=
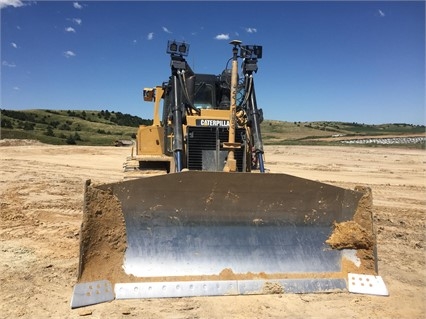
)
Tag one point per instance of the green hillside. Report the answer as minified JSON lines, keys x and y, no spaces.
{"x":277,"y":132}
{"x":70,"y":127}
{"x":105,"y":127}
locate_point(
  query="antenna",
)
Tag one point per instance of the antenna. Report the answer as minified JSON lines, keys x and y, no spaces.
{"x":235,"y":42}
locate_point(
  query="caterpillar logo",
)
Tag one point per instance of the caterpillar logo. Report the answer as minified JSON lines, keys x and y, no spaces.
{"x":212,"y":122}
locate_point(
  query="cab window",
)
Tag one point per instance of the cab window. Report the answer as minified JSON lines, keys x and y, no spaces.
{"x":203,"y":98}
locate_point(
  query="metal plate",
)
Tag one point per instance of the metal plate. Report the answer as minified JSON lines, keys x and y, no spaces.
{"x":225,"y":288}
{"x":367,"y":284}
{"x":188,"y":250}
{"x":90,"y":293}
{"x":175,"y":289}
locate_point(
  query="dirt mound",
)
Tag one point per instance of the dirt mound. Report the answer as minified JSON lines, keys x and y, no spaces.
{"x":350,"y":235}
{"x":19,"y":142}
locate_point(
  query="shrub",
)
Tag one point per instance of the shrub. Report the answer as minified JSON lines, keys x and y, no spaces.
{"x":29,"y":126}
{"x":70,"y":140}
{"x":5,"y":123}
{"x":49,"y":131}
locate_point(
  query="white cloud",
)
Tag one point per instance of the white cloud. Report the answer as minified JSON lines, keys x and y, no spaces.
{"x":13,"y":3}
{"x":77,"y":5}
{"x":381,"y":13}
{"x":13,"y":44}
{"x":135,"y":41}
{"x":222,"y":36}
{"x":70,"y":29}
{"x":77,"y":21}
{"x":251,"y":30}
{"x":8,"y":64}
{"x":69,"y":54}
{"x":16,"y":88}
{"x":150,"y":36}
{"x":166,"y":30}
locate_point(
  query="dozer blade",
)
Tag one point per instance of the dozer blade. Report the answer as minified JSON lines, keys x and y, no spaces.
{"x":215,"y":233}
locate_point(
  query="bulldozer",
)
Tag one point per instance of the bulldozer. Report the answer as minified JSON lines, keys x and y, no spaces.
{"x":198,"y":129}
{"x":201,"y":216}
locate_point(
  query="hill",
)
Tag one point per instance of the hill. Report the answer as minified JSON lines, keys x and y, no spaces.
{"x":70,"y":127}
{"x":317,"y":133}
{"x":104,"y":127}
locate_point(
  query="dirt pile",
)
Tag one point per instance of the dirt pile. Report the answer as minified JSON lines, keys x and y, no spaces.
{"x":350,"y":235}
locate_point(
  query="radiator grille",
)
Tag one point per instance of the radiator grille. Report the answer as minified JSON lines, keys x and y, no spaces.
{"x":201,"y":146}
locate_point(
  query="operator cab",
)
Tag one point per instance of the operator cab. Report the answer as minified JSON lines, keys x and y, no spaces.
{"x":205,"y":91}
{"x":212,"y":92}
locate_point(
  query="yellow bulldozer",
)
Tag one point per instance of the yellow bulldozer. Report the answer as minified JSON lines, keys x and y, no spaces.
{"x":203,"y":217}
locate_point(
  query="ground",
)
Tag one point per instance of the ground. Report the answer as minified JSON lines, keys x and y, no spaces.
{"x":41,"y":210}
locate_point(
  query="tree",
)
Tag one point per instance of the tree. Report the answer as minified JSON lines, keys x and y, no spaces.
{"x":107,"y":115}
{"x":70,"y":140}
{"x":6,"y":123}
{"x":49,"y":131}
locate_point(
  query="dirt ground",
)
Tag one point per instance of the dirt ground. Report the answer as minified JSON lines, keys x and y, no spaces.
{"x":41,"y":211}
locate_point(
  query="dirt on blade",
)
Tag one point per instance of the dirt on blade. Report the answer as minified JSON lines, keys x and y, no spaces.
{"x":104,"y":238}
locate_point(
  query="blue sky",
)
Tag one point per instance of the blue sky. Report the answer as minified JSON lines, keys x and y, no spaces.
{"x":359,"y":61}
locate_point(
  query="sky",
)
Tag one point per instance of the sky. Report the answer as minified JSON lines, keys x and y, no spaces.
{"x":350,"y":61}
